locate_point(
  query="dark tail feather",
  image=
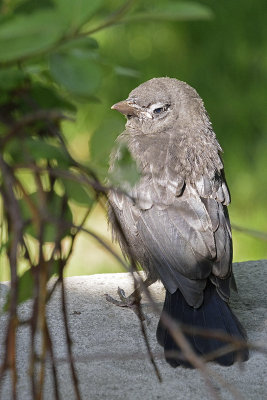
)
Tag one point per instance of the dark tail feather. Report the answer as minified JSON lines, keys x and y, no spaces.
{"x":214,"y":313}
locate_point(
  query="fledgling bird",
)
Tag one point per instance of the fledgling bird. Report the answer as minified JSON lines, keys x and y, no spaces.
{"x":175,"y":220}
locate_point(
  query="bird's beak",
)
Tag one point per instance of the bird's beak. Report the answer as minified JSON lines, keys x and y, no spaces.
{"x":125,"y":107}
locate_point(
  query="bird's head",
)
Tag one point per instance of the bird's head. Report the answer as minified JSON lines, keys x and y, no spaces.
{"x":160,"y":105}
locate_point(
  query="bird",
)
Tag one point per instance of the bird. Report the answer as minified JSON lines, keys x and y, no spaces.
{"x":174,"y":221}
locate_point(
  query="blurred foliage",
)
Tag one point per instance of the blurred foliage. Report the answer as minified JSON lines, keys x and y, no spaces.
{"x":50,"y":63}
{"x":55,"y":55}
{"x":224,"y":58}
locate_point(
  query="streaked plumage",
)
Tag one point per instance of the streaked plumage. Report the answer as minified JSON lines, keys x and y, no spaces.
{"x":175,"y":219}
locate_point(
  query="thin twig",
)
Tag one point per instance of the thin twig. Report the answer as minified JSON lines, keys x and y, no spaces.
{"x":68,"y":338}
{"x":112,"y":20}
{"x":151,"y":356}
{"x":250,"y":232}
{"x":28,"y":119}
{"x":15,"y":227}
{"x":53,"y":362}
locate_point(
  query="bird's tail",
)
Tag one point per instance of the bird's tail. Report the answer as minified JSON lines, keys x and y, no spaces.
{"x":213,"y":314}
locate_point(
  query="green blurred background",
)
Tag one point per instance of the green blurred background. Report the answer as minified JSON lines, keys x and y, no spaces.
{"x":225,"y":59}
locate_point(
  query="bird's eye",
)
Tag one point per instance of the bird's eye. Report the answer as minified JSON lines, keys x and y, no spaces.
{"x":128,"y":116}
{"x":159,"y":110}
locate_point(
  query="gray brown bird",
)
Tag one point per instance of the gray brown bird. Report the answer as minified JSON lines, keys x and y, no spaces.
{"x":175,"y":219}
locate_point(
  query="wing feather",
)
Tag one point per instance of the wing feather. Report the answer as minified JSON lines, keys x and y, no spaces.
{"x":185,"y":240}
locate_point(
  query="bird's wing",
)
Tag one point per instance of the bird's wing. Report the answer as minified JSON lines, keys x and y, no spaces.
{"x":187,"y":242}
{"x":215,"y":196}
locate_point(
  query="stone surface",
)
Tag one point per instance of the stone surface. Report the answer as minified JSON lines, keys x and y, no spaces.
{"x":110,"y":354}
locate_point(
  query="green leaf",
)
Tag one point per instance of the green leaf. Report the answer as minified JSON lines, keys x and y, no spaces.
{"x":78,"y":45}
{"x":54,"y":212}
{"x":80,"y":74}
{"x":4,"y":98}
{"x":40,"y":149}
{"x":102,"y":141}
{"x":36,"y":149}
{"x":10,"y":78}
{"x":29,"y":6}
{"x":24,"y":35}
{"x":13,"y":149}
{"x":125,"y":171}
{"x":55,"y":267}
{"x":25,"y":289}
{"x":173,"y":11}
{"x":26,"y":284}
{"x":3,"y":247}
{"x":133,"y":73}
{"x":47,"y":98}
{"x":76,"y":192}
{"x":78,"y":12}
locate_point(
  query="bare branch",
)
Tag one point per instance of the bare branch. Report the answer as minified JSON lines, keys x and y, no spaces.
{"x":28,"y":119}
{"x":250,"y":232}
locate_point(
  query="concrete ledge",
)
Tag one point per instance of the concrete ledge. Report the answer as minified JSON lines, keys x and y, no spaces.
{"x":110,"y":352}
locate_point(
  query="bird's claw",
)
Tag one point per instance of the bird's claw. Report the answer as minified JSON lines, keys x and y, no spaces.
{"x":124,"y":301}
{"x":129,"y":302}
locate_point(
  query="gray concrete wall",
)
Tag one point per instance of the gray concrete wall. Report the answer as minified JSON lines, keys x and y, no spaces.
{"x":109,"y":349}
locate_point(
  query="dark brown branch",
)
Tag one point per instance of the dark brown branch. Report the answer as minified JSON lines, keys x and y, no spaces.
{"x":15,"y":228}
{"x":143,"y":330}
{"x":113,"y":19}
{"x":68,"y":339}
{"x":53,"y":362}
{"x":28,"y":119}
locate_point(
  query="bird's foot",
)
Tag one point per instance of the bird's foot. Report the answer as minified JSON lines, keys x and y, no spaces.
{"x":124,"y":300}
{"x":132,"y":302}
